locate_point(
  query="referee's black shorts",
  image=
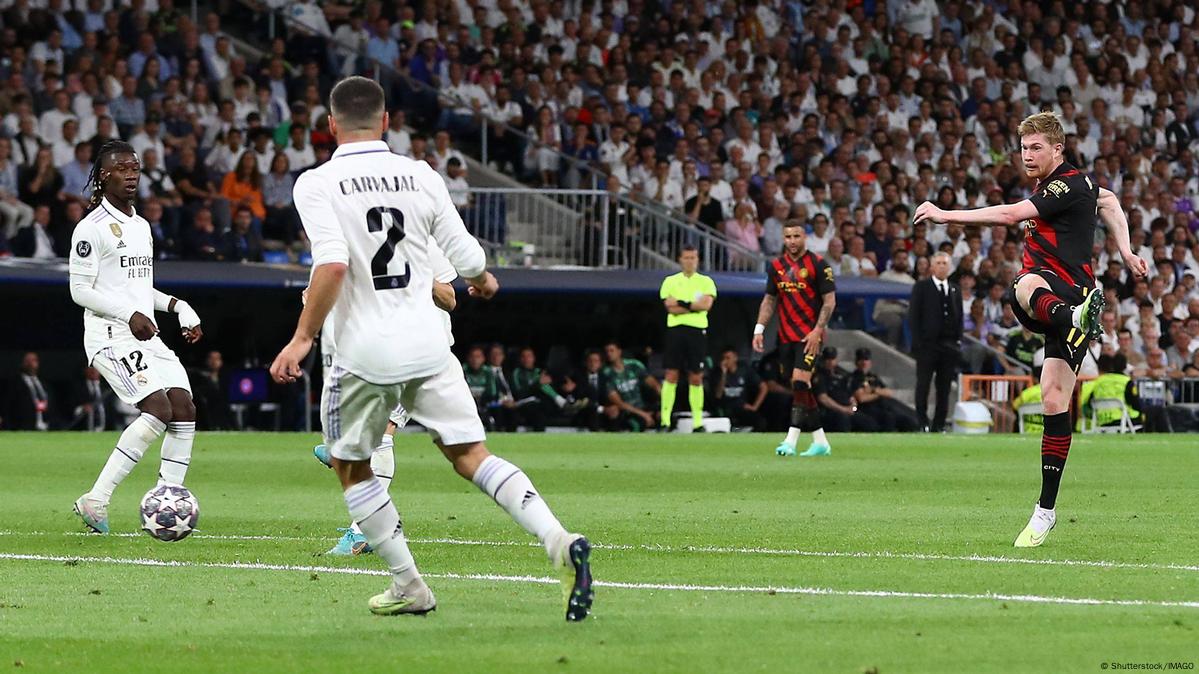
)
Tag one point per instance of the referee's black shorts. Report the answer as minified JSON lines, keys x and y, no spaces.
{"x":686,"y":348}
{"x":1070,"y":347}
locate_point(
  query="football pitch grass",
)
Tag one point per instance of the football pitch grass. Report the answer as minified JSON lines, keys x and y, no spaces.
{"x":712,"y":554}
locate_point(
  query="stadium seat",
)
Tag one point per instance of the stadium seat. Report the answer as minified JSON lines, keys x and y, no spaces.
{"x":1125,"y":425}
{"x":275,"y":257}
{"x":1029,"y":410}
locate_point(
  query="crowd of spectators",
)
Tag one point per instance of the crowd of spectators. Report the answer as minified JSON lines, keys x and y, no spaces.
{"x":737,"y":115}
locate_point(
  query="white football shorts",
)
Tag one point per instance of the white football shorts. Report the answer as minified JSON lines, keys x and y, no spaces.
{"x":355,"y":412}
{"x":136,"y":369}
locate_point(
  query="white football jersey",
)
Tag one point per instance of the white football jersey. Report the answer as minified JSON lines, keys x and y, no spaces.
{"x":118,"y":250}
{"x":377,"y":213}
{"x":443,"y":272}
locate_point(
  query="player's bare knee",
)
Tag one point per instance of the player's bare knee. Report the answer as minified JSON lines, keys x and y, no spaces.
{"x":695,"y":379}
{"x":158,"y":406}
{"x":182,"y":407}
{"x":1025,"y":287}
{"x":671,"y":376}
{"x":351,"y":473}
{"x":465,"y":458}
{"x":1055,"y":400}
{"x":1055,"y":406}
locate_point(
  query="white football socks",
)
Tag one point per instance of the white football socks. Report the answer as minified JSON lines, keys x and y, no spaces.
{"x":176,"y":452}
{"x":514,"y":492}
{"x":792,"y":436}
{"x":383,"y":465}
{"x":129,"y":450}
{"x":819,"y":437}
{"x":383,"y":461}
{"x":376,"y":515}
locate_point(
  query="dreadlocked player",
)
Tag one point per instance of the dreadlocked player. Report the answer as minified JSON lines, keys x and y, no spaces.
{"x":112,"y":278}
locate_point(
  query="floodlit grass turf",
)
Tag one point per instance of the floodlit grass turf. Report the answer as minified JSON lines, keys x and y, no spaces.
{"x":1123,"y":500}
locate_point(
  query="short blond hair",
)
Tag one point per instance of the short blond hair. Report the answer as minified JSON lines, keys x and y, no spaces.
{"x":1045,"y":123}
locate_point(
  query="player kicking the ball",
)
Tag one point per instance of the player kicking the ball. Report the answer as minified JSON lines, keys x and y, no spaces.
{"x":383,"y":461}
{"x":370,"y":215}
{"x":112,"y":278}
{"x":1055,"y":291}
{"x":801,"y":284}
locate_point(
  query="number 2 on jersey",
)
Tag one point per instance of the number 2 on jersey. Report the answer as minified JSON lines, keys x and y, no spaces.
{"x":395,"y":233}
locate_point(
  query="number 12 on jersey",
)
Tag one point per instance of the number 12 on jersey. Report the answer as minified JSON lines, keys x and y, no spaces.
{"x":378,"y":219}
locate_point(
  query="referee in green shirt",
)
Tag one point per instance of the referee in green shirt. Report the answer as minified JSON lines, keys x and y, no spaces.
{"x":687,"y":295}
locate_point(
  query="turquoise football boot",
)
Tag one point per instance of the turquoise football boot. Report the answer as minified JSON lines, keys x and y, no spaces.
{"x":817,"y":450}
{"x":321,"y":453}
{"x":351,"y":544}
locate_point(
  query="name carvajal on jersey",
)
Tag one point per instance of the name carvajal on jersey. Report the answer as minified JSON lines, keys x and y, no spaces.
{"x":361,"y":184}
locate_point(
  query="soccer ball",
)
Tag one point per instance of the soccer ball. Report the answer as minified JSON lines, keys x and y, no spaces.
{"x":169,"y":512}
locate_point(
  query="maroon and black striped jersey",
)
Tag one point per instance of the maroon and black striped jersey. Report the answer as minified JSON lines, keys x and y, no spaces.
{"x":1062,"y":237}
{"x":800,"y":285}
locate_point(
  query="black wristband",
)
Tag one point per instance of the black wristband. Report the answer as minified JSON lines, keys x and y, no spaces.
{"x":685,"y":305}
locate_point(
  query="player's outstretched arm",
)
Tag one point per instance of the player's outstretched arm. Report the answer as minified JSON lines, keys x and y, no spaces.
{"x":463,"y":251}
{"x":323,"y":290}
{"x":1005,"y":214}
{"x":1116,"y":221}
{"x":189,"y":320}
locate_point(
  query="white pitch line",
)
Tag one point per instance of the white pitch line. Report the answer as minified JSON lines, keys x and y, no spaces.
{"x":884,"y":555}
{"x":678,"y":587}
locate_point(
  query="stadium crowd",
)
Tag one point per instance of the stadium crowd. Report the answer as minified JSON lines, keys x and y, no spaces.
{"x":738,"y":115}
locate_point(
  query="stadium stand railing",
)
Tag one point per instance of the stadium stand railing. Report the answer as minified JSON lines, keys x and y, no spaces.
{"x":591,"y":228}
{"x":996,"y":391}
{"x":1011,"y":363}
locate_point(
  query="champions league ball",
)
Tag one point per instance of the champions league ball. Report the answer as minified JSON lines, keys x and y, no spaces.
{"x":169,"y":512}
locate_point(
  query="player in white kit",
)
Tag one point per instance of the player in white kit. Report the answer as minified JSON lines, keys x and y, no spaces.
{"x":112,"y":278}
{"x":370,"y":215}
{"x":383,"y":462}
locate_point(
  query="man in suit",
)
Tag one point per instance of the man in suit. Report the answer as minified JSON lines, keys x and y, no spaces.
{"x":936,"y":323}
{"x":29,"y":405}
{"x":91,"y":408}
